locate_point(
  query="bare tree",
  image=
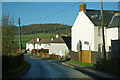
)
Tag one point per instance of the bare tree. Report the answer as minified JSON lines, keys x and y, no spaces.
{"x":8,"y":44}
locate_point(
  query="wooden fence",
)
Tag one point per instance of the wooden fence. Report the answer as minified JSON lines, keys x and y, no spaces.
{"x":88,"y":56}
{"x":81,"y":56}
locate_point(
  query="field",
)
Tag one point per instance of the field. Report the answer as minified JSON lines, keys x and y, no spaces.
{"x":26,"y":38}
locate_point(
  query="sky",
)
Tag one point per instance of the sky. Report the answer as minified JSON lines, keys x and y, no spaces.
{"x":49,"y":12}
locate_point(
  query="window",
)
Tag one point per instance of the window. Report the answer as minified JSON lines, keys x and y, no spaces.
{"x":109,"y":48}
{"x":99,"y":48}
{"x":79,"y":46}
{"x":99,"y":31}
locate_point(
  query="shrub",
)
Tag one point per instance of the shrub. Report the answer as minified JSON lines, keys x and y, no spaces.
{"x":111,"y":66}
{"x":11,"y":61}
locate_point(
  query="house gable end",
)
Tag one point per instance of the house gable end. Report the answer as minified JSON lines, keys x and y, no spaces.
{"x":81,"y":18}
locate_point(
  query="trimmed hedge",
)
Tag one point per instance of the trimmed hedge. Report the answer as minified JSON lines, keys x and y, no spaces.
{"x":111,"y":66}
{"x":11,"y":61}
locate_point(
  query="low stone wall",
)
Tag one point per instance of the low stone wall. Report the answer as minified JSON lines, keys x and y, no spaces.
{"x":74,"y":56}
{"x":55,"y":56}
{"x":47,"y":55}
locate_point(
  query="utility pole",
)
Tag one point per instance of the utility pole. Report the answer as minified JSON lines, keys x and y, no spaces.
{"x":19,"y":36}
{"x":34,"y":43}
{"x":102,"y":25}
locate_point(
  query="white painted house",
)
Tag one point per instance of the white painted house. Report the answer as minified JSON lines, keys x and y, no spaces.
{"x":39,"y":44}
{"x":87,"y":32}
{"x":59,"y":46}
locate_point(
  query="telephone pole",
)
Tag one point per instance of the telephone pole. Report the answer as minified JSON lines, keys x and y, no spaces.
{"x":34,"y":43}
{"x":102,"y":25}
{"x":19,"y":36}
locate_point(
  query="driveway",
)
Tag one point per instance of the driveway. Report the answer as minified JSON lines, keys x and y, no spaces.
{"x":46,"y":69}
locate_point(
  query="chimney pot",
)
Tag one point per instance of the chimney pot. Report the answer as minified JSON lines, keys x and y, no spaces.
{"x":57,"y":35}
{"x":82,"y":7}
{"x":38,"y":39}
{"x":66,"y":34}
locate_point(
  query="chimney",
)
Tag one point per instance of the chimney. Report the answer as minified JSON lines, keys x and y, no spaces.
{"x":117,"y":13}
{"x":82,"y":7}
{"x":57,"y":35}
{"x":38,"y":39}
{"x":66,"y":34}
{"x":52,"y":38}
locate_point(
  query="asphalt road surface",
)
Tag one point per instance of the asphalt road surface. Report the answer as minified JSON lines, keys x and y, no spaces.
{"x":46,"y":69}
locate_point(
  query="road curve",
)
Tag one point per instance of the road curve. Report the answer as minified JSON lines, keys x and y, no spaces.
{"x":46,"y":69}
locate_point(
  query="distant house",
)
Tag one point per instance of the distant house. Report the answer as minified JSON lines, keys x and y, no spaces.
{"x":59,"y":45}
{"x":39,"y":44}
{"x":87,"y":32}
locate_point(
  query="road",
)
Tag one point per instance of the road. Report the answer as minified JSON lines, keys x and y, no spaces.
{"x":46,"y":69}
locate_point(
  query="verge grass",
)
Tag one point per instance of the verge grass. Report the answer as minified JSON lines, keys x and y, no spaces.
{"x":83,"y":64}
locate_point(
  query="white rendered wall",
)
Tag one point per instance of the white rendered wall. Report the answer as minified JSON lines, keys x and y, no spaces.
{"x":30,"y":46}
{"x":27,"y":46}
{"x":83,"y":30}
{"x":58,"y":49}
{"x":112,"y":34}
{"x":98,"y":38}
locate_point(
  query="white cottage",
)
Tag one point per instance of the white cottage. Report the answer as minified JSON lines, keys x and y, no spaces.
{"x":60,"y":46}
{"x":87,"y":32}
{"x":39,"y":44}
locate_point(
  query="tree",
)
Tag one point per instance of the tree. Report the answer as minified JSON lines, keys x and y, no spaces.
{"x":8,"y":43}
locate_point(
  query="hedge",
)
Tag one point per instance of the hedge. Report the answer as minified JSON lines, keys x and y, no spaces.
{"x":11,"y":61}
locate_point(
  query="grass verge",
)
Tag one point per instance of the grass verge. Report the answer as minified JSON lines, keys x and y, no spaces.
{"x":12,"y":73}
{"x":83,"y":64}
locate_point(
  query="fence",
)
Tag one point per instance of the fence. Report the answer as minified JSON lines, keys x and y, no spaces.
{"x":47,"y":55}
{"x":81,"y":56}
{"x":88,"y":56}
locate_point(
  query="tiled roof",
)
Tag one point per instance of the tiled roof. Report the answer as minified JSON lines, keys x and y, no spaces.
{"x":63,"y":39}
{"x":41,"y":41}
{"x":57,"y":40}
{"x":67,"y":40}
{"x":60,"y":39}
{"x":95,"y":17}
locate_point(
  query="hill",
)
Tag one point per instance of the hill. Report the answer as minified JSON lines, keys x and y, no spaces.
{"x":44,"y":28}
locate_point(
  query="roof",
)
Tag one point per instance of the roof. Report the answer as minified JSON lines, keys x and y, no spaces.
{"x":63,"y":39}
{"x":95,"y":17}
{"x":45,"y":41}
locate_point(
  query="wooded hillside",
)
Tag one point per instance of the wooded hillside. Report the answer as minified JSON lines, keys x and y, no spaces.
{"x":43,"y":28}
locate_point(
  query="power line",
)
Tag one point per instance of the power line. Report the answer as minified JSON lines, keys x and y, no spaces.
{"x":56,"y":13}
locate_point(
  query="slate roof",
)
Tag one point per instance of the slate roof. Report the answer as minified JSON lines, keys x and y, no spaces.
{"x":60,"y":39}
{"x":45,"y":41}
{"x":95,"y":17}
{"x":63,"y":39}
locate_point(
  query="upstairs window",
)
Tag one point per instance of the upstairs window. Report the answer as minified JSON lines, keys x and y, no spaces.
{"x":99,"y":31}
{"x":99,"y":48}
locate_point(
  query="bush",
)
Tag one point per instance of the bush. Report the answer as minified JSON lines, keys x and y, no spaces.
{"x":11,"y":61}
{"x":111,"y":66}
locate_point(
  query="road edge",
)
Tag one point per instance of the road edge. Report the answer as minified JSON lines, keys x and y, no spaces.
{"x":22,"y":72}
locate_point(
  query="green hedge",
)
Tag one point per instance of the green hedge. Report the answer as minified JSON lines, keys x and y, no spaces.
{"x":11,"y":61}
{"x":111,"y":66}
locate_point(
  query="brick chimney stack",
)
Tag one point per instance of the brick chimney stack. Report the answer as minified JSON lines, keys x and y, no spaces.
{"x":82,"y":7}
{"x":57,"y":35}
{"x":38,"y":39}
